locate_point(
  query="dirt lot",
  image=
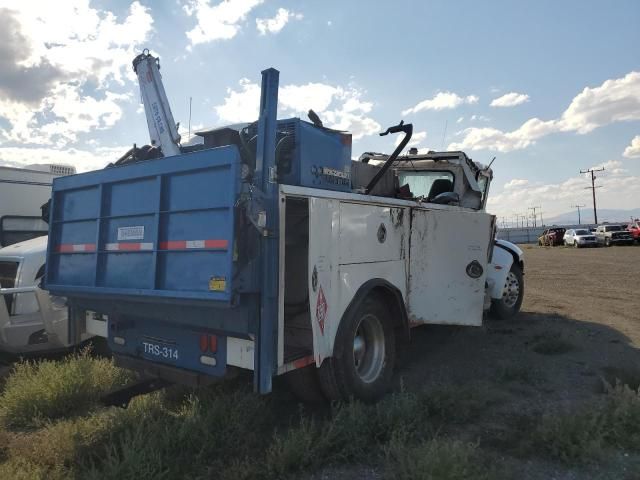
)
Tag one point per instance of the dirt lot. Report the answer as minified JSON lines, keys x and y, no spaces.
{"x":519,"y":399}
{"x":579,"y":325}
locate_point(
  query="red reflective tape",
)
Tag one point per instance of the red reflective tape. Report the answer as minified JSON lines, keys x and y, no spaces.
{"x":216,"y":244}
{"x":129,"y":246}
{"x":76,"y":247}
{"x":189,"y":244}
{"x":303,"y":362}
{"x":173,"y":245}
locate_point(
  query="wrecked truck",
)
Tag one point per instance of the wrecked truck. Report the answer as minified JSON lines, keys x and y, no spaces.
{"x":269,"y":249}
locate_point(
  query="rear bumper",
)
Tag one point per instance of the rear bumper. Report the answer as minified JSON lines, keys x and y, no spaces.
{"x":168,"y":373}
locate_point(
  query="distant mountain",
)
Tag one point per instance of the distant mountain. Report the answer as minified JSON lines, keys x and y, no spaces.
{"x":586,"y":214}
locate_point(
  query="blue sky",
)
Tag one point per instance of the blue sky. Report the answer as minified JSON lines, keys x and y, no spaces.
{"x":361,"y":65}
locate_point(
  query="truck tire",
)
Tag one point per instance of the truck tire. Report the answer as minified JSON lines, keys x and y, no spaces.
{"x":364,"y":354}
{"x":512,"y":296}
{"x":607,"y":242}
{"x":305,"y":385}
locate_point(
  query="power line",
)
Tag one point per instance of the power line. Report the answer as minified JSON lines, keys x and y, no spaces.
{"x":578,"y":207}
{"x":593,"y":189}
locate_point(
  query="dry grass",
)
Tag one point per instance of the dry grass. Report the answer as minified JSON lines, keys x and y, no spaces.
{"x":40,"y":391}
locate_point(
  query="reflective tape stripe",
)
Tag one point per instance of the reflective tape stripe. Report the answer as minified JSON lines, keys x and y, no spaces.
{"x":76,"y":247}
{"x":304,"y":361}
{"x":128,"y":246}
{"x":187,"y":244}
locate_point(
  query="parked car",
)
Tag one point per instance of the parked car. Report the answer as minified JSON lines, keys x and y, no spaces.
{"x":634,"y":229}
{"x":608,"y":235}
{"x":552,"y":236}
{"x":580,"y":237}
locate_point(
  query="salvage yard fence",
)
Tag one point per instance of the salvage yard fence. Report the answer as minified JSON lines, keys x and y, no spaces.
{"x":530,"y":234}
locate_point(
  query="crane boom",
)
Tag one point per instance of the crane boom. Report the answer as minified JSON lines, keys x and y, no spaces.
{"x":162,"y":127}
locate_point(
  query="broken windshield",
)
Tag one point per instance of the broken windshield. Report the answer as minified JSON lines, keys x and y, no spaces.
{"x":420,"y":183}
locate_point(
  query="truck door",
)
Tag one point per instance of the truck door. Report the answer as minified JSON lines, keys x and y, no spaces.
{"x":447,"y":266}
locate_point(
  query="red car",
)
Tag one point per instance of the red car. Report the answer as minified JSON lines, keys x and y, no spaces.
{"x":634,"y":228}
{"x":552,"y":236}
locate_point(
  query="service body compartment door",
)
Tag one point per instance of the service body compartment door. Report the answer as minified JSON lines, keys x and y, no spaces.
{"x":445,"y":249}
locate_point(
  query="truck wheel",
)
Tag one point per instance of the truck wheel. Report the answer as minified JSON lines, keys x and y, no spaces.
{"x":363,"y":357}
{"x":607,"y":242}
{"x":575,"y":244}
{"x":512,"y":295}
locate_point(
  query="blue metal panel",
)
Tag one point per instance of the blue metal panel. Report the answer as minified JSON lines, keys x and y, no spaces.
{"x":168,"y":344}
{"x":319,"y":153}
{"x":77,"y":204}
{"x":182,"y":212}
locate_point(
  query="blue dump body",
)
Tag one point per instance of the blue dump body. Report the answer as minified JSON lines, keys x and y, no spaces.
{"x":140,"y":230}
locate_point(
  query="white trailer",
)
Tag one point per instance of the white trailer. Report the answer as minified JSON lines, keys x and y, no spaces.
{"x":22,"y":193}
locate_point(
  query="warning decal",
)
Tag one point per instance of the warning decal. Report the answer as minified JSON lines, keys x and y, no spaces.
{"x":217,"y":284}
{"x":321,"y":309}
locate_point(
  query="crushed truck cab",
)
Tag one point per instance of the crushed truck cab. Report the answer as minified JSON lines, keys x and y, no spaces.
{"x":268,"y":249}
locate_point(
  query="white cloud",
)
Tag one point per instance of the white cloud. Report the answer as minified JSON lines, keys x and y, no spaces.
{"x":338,"y":107}
{"x":277,"y":23}
{"x":618,"y":191}
{"x":240,"y":105}
{"x":494,"y":139}
{"x":612,"y":167}
{"x":633,"y":150}
{"x":460,"y":120}
{"x":84,"y":160}
{"x":221,"y":21}
{"x":441,"y":101}
{"x":613,"y":101}
{"x":510,"y":100}
{"x":516,"y":182}
{"x":90,"y":51}
{"x":416,"y":139}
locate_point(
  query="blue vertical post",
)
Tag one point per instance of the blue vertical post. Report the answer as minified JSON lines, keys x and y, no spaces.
{"x":265,"y":351}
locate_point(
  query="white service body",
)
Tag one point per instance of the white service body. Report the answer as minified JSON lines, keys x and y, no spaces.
{"x":424,"y":254}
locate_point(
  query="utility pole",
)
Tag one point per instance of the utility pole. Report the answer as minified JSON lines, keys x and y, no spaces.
{"x":593,"y":189}
{"x":535,"y":216}
{"x":578,"y":207}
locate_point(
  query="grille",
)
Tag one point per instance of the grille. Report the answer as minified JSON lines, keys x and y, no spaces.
{"x":8,"y":272}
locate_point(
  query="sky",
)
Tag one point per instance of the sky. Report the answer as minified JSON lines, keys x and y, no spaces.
{"x":546,"y":87}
